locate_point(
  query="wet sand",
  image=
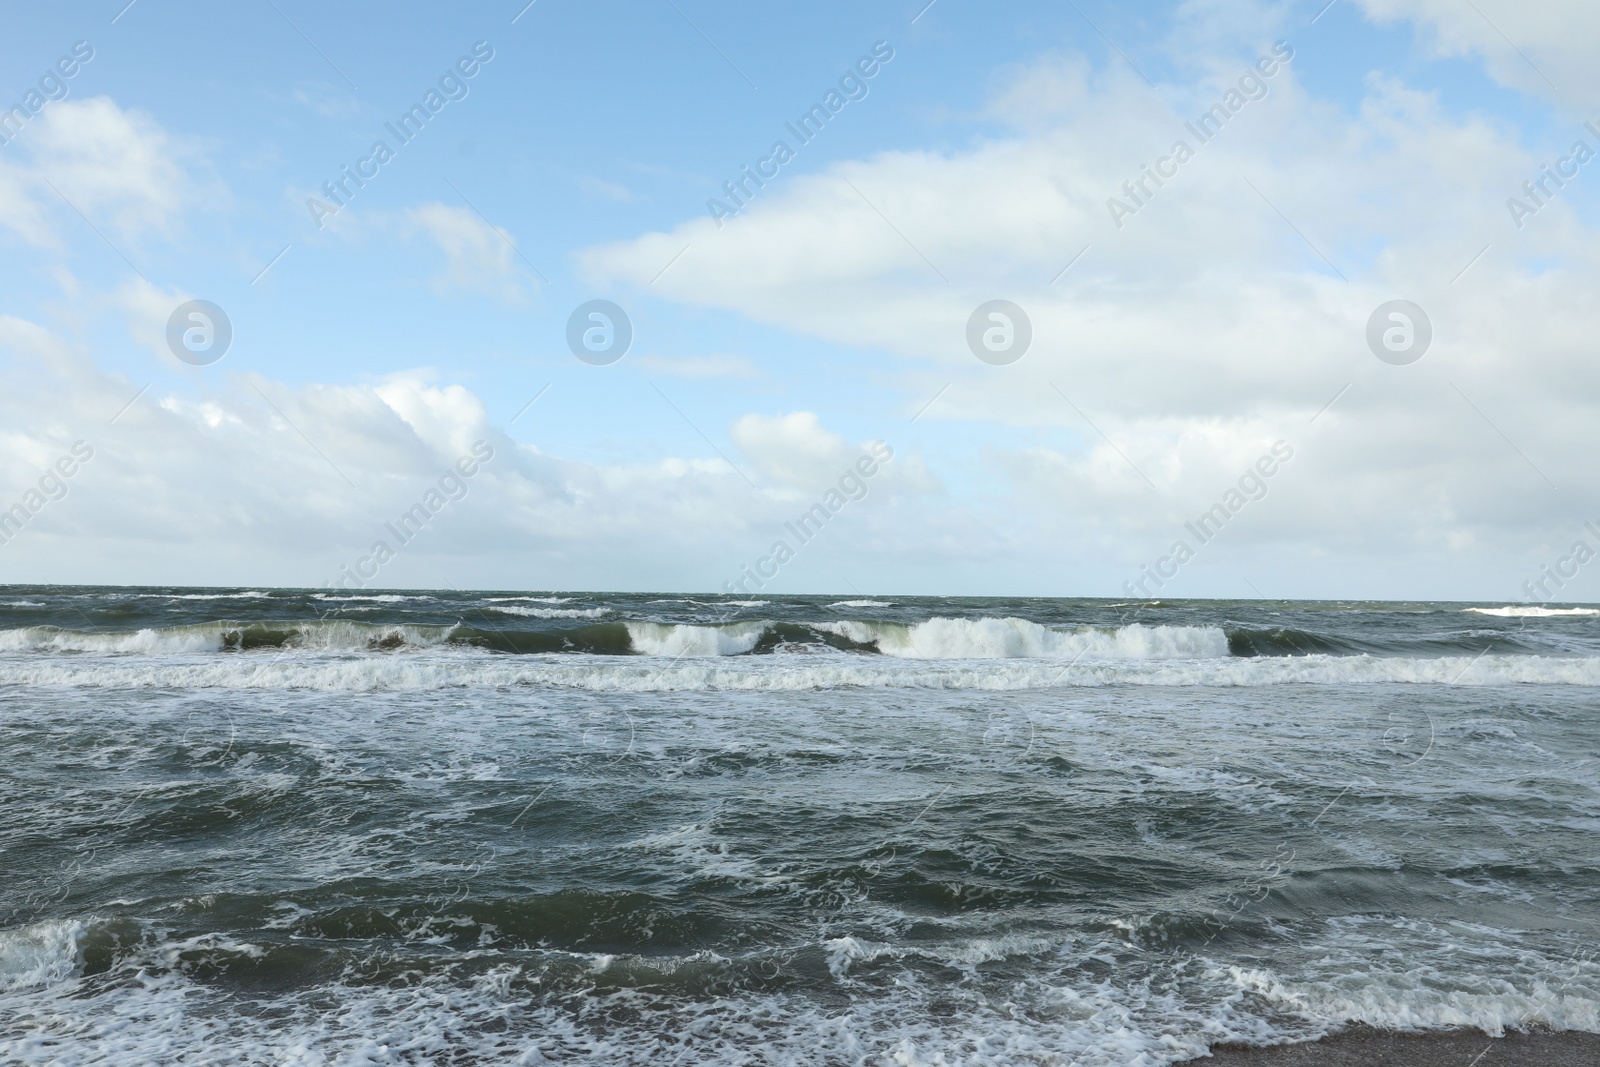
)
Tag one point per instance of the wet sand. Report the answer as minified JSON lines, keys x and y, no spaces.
{"x":1364,"y":1047}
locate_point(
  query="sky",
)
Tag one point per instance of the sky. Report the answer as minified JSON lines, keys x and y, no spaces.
{"x":1199,"y":218}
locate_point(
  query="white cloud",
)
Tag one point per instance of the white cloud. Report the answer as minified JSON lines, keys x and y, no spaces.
{"x":793,"y":450}
{"x":20,"y":211}
{"x":242,"y":478}
{"x":1178,"y":349}
{"x":147,"y":309}
{"x":118,"y":167}
{"x":1044,"y":90}
{"x":447,"y":419}
{"x":479,"y":258}
{"x":798,"y":453}
{"x":1209,"y":323}
{"x":1546,"y":49}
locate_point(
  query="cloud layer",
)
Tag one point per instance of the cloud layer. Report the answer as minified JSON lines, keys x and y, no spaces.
{"x":1190,"y":310}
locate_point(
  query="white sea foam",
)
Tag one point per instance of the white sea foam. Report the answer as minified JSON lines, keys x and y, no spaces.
{"x":1402,"y":1002}
{"x":1532,"y":611}
{"x":705,"y":667}
{"x":379,"y":598}
{"x":39,"y":954}
{"x":254,"y":594}
{"x":668,"y":639}
{"x":322,"y":635}
{"x":338,"y":635}
{"x":1010,"y":638}
{"x":551,"y":613}
{"x":943,"y":639}
{"x":861,"y":604}
{"x":529,"y":599}
{"x":1054,"y":1012}
{"x":1486,"y":979}
{"x":844,"y":951}
{"x":174,"y":639}
{"x":696,"y":847}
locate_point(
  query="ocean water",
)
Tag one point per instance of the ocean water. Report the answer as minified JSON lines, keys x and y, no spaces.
{"x":276,"y":827}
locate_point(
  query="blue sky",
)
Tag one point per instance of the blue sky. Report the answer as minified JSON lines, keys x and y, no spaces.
{"x":827,"y":314}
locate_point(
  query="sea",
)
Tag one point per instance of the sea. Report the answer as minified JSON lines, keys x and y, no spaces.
{"x":300,"y":827}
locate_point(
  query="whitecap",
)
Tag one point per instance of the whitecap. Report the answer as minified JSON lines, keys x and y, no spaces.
{"x":675,"y":639}
{"x":1518,"y":611}
{"x":252,"y":594}
{"x":550,"y":613}
{"x":318,"y":634}
{"x":380,"y":598}
{"x":39,"y":954}
{"x":1011,"y":638}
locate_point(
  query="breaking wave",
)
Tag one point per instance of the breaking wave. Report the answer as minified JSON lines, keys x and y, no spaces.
{"x":252,"y":594}
{"x":317,"y":635}
{"x":1532,"y":611}
{"x":551,"y":613}
{"x":1157,"y":1014}
{"x":934,"y":639}
{"x":676,"y":639}
{"x":39,"y":954}
{"x":1010,"y":638}
{"x":576,"y":648}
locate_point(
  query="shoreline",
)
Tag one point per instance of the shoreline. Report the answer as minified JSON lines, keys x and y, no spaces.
{"x":1360,"y":1046}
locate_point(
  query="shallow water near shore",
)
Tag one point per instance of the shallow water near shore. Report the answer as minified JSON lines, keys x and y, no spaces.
{"x":436,"y":827}
{"x":1361,"y":1046}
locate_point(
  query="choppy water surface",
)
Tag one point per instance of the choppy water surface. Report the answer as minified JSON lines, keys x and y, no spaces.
{"x":256,"y":826}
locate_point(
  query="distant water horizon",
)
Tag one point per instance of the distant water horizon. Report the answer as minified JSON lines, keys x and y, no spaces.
{"x":406,"y":826}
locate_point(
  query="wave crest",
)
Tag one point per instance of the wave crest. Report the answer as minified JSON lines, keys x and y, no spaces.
{"x":1012,"y":638}
{"x":677,"y":639}
{"x":550,"y":613}
{"x":1531,"y":611}
{"x":337,"y":635}
{"x":39,"y":954}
